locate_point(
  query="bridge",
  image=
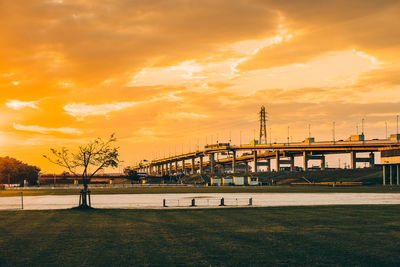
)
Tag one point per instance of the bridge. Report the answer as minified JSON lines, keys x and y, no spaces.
{"x":208,"y":161}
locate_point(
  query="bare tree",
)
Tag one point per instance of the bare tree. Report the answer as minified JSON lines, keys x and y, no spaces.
{"x":86,"y":162}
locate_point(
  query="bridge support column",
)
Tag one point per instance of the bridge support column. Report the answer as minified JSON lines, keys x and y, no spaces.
{"x":201,"y":165}
{"x":255,"y":160}
{"x":371,"y":160}
{"x":305,"y":161}
{"x":176,"y":167}
{"x":234,"y":162}
{"x":391,"y":173}
{"x":292,"y":168}
{"x":353,"y":159}
{"x":322,"y":163}
{"x":398,"y":174}
{"x":384,"y":174}
{"x":183,"y":167}
{"x":162,"y":169}
{"x":171,"y":171}
{"x":192,"y":169}
{"x":268,"y":165}
{"x":212,"y":163}
{"x":277,"y":158}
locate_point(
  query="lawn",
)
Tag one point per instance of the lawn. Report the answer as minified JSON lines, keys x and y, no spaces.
{"x":213,"y":189}
{"x":335,"y":235}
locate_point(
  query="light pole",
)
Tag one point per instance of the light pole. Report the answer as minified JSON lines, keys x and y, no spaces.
{"x":386,"y":136}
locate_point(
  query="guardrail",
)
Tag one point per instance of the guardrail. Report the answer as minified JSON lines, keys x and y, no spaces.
{"x":194,"y":202}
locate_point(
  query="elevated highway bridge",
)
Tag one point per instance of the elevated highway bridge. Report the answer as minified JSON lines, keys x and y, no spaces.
{"x":207,"y":160}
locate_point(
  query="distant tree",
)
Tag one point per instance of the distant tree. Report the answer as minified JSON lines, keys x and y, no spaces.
{"x":14,"y":171}
{"x":87,"y":161}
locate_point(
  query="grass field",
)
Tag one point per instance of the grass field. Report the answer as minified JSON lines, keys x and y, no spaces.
{"x":214,"y":189}
{"x":336,"y":236}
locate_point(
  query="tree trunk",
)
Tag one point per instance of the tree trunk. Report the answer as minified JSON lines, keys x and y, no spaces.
{"x":84,"y":198}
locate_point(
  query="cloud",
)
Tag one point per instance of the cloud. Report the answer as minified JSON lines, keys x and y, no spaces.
{"x":185,"y":115}
{"x":45,"y":130}
{"x":17,"y":104}
{"x":80,"y":111}
{"x":367,"y":26}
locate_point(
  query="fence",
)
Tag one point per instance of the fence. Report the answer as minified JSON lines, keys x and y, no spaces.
{"x":195,"y":202}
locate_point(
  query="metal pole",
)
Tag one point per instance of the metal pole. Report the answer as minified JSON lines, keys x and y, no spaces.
{"x":22,"y":200}
{"x":270,"y":136}
{"x":386,"y":129}
{"x":333,"y":132}
{"x":362,"y":126}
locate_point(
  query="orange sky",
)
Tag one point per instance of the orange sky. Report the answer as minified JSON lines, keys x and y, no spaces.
{"x":167,"y":75}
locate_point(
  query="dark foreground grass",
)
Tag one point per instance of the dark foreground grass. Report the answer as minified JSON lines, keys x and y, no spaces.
{"x":212,"y":189}
{"x":335,"y":235}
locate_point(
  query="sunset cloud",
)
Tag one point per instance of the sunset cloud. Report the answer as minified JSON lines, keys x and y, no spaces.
{"x":80,"y":111}
{"x":17,"y":104}
{"x":45,"y":130}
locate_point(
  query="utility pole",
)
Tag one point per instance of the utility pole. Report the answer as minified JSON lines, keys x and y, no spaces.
{"x":309,"y":131}
{"x":333,"y":132}
{"x":362,"y":126}
{"x":386,"y":136}
{"x":288,"y":129}
{"x":270,"y":136}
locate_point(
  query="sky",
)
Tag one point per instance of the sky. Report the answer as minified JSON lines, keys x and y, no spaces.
{"x":171,"y":76}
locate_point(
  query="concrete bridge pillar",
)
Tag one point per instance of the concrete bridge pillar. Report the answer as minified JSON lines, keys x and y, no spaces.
{"x":291,"y":158}
{"x":192,"y":169}
{"x":398,"y":173}
{"x":353,"y":159}
{"x":305,"y":161}
{"x":201,"y":165}
{"x":212,"y":163}
{"x":170,"y":168}
{"x":384,"y":173}
{"x":183,"y":167}
{"x":371,"y":160}
{"x":391,"y":173}
{"x":162,"y":169}
{"x":255,"y":160}
{"x":234,"y":161}
{"x":277,"y":157}
{"x":176,"y":167}
{"x":322,"y":163}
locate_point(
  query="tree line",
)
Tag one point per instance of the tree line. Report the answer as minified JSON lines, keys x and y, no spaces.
{"x":13,"y":171}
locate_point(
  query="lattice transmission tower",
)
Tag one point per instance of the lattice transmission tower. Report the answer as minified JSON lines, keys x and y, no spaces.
{"x":263,"y":126}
